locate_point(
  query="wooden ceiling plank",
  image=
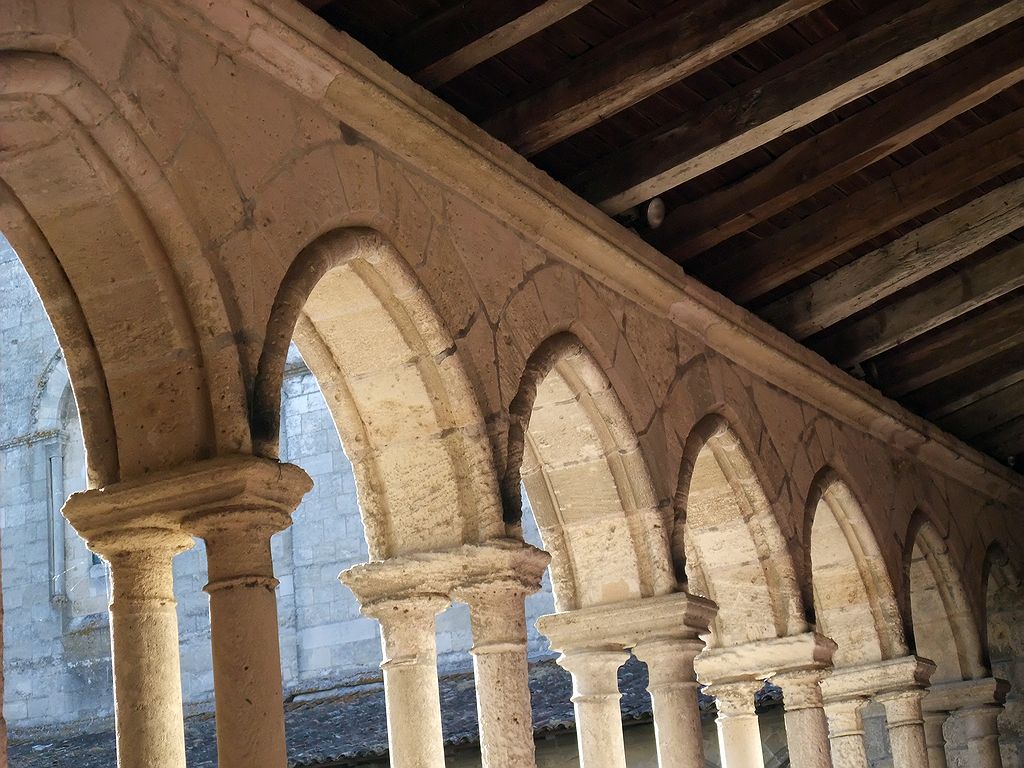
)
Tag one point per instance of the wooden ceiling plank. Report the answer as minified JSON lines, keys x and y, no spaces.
{"x":787,"y":97}
{"x":953,"y":296}
{"x":902,"y":262}
{"x":627,"y":69}
{"x":986,"y":414}
{"x":842,"y":150}
{"x":918,"y":187}
{"x":948,"y":350}
{"x":503,"y":33}
{"x":1005,"y":441}
{"x":968,"y":385}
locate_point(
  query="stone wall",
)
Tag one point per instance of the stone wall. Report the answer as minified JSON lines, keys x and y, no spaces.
{"x":56,"y":635}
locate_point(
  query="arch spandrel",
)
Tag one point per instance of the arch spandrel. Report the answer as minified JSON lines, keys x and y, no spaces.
{"x":407,"y":415}
{"x":572,"y":446}
{"x":733,"y":549}
{"x":854,"y":600}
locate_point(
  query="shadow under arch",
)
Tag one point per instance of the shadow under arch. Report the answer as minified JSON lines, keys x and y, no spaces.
{"x":572,"y":446}
{"x":943,"y":625}
{"x":136,"y":307}
{"x":729,"y":542}
{"x":407,"y":415}
{"x":854,"y":601}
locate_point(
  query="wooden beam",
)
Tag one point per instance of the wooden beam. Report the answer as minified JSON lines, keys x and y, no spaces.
{"x":885,"y":47}
{"x":446,"y":44}
{"x":1004,"y":441}
{"x":953,"y":348}
{"x":987,"y":413}
{"x":968,"y":385}
{"x":684,"y":38}
{"x":474,"y":31}
{"x":845,"y":148}
{"x":902,"y":262}
{"x":918,"y":187}
{"x":919,"y":313}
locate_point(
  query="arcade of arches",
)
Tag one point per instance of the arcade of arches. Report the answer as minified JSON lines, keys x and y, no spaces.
{"x":192,"y":186}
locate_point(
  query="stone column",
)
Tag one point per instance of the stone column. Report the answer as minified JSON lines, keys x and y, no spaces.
{"x":498,"y":618}
{"x":673,"y":687}
{"x":593,"y":640}
{"x":846,"y":732}
{"x":982,"y":735}
{"x":806,"y":724}
{"x":144,"y":644}
{"x":904,"y":719}
{"x":411,"y":692}
{"x":244,"y":628}
{"x":595,"y":699}
{"x":739,"y":735}
{"x":934,"y":740}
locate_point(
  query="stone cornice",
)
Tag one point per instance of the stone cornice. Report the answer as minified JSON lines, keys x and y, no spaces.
{"x":446,"y":571}
{"x":947,"y":697}
{"x":623,"y":625}
{"x":348,"y":81}
{"x":232,"y":488}
{"x":879,"y":678}
{"x":763,"y":658}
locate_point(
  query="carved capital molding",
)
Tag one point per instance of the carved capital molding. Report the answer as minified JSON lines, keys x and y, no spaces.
{"x":628,"y":623}
{"x":465,"y":572}
{"x":224,"y":493}
{"x":763,"y":658}
{"x":877,"y":678}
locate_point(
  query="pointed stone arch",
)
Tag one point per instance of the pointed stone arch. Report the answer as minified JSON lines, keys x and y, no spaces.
{"x":730,"y":542}
{"x":943,"y":624}
{"x":572,"y":446}
{"x":854,"y":601}
{"x":407,"y":415}
{"x":136,"y":306}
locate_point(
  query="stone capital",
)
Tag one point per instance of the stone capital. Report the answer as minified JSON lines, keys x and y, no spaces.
{"x":626,"y":624}
{"x":463,"y":572}
{"x":800,"y":689}
{"x":736,"y":698}
{"x":194,"y":498}
{"x":763,"y":658}
{"x":877,"y":678}
{"x":949,"y":697}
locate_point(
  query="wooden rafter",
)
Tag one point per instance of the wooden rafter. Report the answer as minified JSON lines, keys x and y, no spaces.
{"x":900,"y":263}
{"x":683,"y":39}
{"x":920,"y":312}
{"x":459,"y":38}
{"x":945,"y":351}
{"x":844,"y":149}
{"x":918,"y":187}
{"x":882,"y":49}
{"x":988,"y":413}
{"x":1004,"y":441}
{"x":959,"y":389}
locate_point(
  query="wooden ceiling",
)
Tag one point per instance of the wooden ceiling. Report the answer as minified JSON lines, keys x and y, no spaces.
{"x":852,"y":171}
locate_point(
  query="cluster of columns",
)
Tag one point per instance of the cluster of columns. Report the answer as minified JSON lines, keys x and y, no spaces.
{"x":735,"y":674}
{"x":234,"y":505}
{"x":664,"y":633}
{"x":405,"y":594}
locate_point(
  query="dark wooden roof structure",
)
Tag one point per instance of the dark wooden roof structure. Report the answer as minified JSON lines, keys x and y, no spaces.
{"x":851,"y":171}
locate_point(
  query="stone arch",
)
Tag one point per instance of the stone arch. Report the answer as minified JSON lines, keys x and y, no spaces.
{"x":733,"y":550}
{"x":99,"y":228}
{"x":390,"y":373}
{"x":854,"y":601}
{"x":572,"y":446}
{"x":943,"y":625}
